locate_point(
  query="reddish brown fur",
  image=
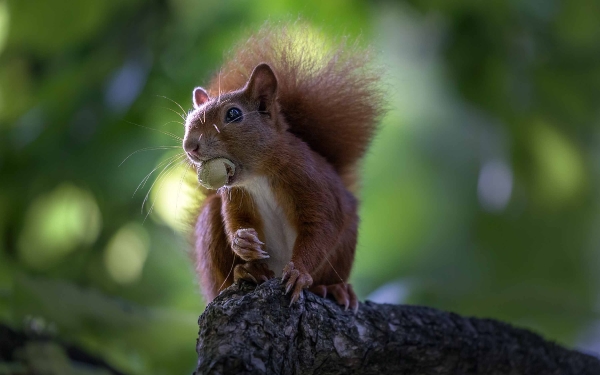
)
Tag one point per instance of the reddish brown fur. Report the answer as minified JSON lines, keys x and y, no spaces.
{"x":329,"y":96}
{"x":212,"y":266}
{"x":307,"y":145}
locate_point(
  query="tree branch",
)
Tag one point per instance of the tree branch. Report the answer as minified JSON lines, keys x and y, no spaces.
{"x":247,"y":330}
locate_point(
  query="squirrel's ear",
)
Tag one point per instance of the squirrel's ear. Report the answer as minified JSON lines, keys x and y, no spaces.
{"x":262,"y":86}
{"x":200,"y":96}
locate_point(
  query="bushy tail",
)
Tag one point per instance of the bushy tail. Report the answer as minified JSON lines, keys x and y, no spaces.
{"x":329,"y":94}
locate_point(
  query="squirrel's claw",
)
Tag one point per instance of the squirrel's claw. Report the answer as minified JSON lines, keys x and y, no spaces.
{"x":295,"y":280}
{"x":342,"y":293}
{"x":247,"y":245}
{"x":319,"y":290}
{"x":353,"y":299}
{"x":248,"y":234}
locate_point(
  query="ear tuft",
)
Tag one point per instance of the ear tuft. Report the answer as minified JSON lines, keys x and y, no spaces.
{"x":262,"y":86}
{"x":199,"y":97}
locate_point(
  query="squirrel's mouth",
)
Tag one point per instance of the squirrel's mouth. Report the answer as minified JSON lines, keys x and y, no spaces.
{"x":218,"y":172}
{"x":195,"y":160}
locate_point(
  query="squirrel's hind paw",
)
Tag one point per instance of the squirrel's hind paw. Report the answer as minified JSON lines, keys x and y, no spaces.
{"x":342,"y":293}
{"x":254,"y":272}
{"x":295,"y":280}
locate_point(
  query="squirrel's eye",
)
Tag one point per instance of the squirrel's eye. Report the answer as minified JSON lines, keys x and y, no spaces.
{"x":233,"y":115}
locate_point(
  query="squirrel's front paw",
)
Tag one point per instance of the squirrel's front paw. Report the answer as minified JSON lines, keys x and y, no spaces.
{"x":295,"y":279}
{"x":247,"y":245}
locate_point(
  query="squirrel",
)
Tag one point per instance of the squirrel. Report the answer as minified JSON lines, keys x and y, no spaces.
{"x":291,"y":117}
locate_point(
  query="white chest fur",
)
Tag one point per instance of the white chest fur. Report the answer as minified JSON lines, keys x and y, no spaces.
{"x":280,"y":236}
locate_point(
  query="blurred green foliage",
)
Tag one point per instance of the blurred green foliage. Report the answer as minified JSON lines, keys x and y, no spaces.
{"x":481,"y":194}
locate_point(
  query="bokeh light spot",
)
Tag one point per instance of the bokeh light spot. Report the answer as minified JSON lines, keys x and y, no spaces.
{"x":57,"y":223}
{"x":125,"y":85}
{"x":4,"y":24}
{"x":174,"y":194}
{"x":126,"y":253}
{"x":494,"y":186}
{"x":560,"y":169}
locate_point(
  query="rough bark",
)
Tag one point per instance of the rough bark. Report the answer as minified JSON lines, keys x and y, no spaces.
{"x":253,"y":331}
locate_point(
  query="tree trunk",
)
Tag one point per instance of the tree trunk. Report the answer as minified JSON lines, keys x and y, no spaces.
{"x":253,"y":331}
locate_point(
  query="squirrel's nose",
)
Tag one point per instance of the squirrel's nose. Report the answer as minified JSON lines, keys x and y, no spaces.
{"x":192,"y":149}
{"x":194,"y":153}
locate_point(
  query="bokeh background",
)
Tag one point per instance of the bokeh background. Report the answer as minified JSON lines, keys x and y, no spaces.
{"x":481,"y":193}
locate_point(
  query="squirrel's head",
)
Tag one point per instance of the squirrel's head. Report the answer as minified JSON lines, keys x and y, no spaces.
{"x":243,"y":126}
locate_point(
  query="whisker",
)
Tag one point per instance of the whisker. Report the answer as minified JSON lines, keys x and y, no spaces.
{"x":336,"y":272}
{"x":156,"y":130}
{"x":160,"y":176}
{"x":228,"y":274}
{"x":159,"y":188}
{"x":174,"y":111}
{"x":179,"y":105}
{"x":173,"y":121}
{"x":179,"y":190}
{"x":219,"y":96}
{"x":145,"y":179}
{"x":161,"y":164}
{"x":148,"y":149}
{"x":218,"y":131}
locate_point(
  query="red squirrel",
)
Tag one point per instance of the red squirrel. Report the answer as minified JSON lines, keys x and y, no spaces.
{"x":292,"y":117}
